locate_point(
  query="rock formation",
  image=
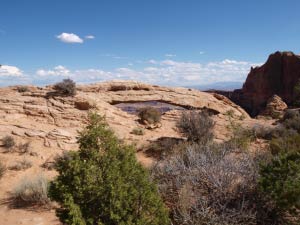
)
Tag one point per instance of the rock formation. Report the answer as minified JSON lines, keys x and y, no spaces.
{"x":275,"y":107}
{"x":280,"y":75}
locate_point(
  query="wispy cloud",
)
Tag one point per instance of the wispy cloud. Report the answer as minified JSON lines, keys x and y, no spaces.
{"x":170,"y":55}
{"x":69,"y":38}
{"x":201,"y":53}
{"x":89,"y":37}
{"x":56,"y":71}
{"x":152,"y":61}
{"x":10,"y":71}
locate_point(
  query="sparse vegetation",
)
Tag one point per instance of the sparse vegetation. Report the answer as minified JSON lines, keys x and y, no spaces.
{"x":24,"y":147}
{"x":164,"y":147}
{"x":8,"y":142}
{"x":22,"y":88}
{"x":22,"y":165}
{"x":280,"y":181}
{"x":66,"y":87}
{"x":291,"y":120}
{"x":241,"y":137}
{"x":103,"y":183}
{"x":196,"y":126}
{"x":31,"y":191}
{"x":2,"y":169}
{"x":138,"y":131}
{"x":150,"y":114}
{"x":210,"y":184}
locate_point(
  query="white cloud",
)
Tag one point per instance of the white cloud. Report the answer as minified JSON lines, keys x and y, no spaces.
{"x":170,"y":55}
{"x":57,"y":71}
{"x":89,"y":37}
{"x":69,"y":38}
{"x":201,"y":53}
{"x":166,"y":72}
{"x":11,"y":71}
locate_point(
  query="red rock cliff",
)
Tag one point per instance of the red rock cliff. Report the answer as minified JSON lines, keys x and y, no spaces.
{"x":278,"y":75}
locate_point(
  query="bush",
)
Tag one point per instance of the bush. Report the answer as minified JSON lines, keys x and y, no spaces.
{"x":260,"y":131}
{"x":138,"y":131}
{"x":288,"y":143}
{"x":66,"y":87}
{"x":8,"y":142}
{"x":103,"y":183}
{"x":22,"y":89}
{"x":22,"y":165}
{"x":24,"y":147}
{"x":293,"y":123}
{"x":241,"y":137}
{"x":31,"y":191}
{"x":196,"y":126}
{"x":280,"y":180}
{"x":210,"y":184}
{"x":2,"y":169}
{"x":164,"y":147}
{"x":150,"y":115}
{"x":290,"y":114}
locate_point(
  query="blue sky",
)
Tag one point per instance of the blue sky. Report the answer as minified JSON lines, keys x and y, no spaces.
{"x":169,"y":42}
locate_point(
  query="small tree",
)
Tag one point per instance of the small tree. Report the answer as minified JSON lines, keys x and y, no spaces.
{"x":66,"y":87}
{"x":280,"y":180}
{"x":150,"y":115}
{"x":8,"y":142}
{"x":103,"y":183}
{"x":196,"y":126}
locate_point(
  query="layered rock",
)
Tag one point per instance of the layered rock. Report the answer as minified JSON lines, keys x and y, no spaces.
{"x":280,"y":75}
{"x":275,"y":107}
{"x":41,"y":114}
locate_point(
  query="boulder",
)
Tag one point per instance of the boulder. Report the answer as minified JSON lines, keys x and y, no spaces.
{"x":275,"y":107}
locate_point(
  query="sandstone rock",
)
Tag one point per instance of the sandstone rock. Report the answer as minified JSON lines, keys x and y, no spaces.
{"x":59,"y":134}
{"x":35,"y":133}
{"x":275,"y":107}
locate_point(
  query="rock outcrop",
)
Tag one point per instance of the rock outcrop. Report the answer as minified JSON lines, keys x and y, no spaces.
{"x":55,"y":119}
{"x":275,"y":107}
{"x":280,"y":75}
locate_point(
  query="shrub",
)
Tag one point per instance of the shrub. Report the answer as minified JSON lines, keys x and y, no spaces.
{"x":280,"y":180}
{"x":150,"y":115}
{"x":285,"y":143}
{"x":31,"y":191}
{"x":8,"y":142}
{"x":293,"y":123}
{"x":22,"y":165}
{"x":264,"y":132}
{"x":103,"y":183}
{"x":66,"y":87}
{"x":2,"y":169}
{"x":241,"y":137}
{"x":24,"y":147}
{"x":196,"y":126}
{"x":210,"y":184}
{"x":22,"y":89}
{"x":290,"y":114}
{"x":138,"y":131}
{"x":164,"y":147}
